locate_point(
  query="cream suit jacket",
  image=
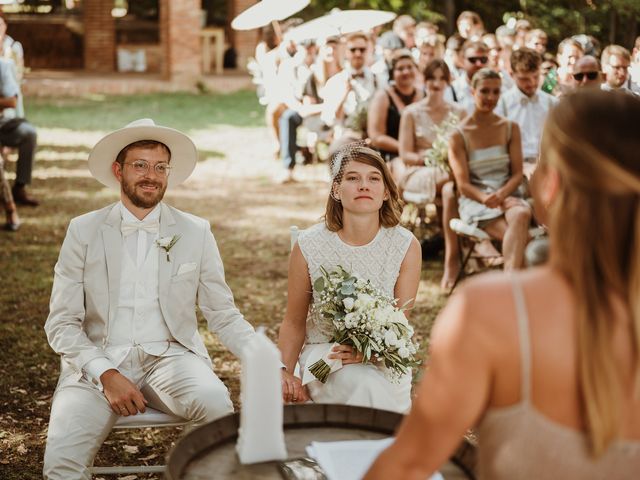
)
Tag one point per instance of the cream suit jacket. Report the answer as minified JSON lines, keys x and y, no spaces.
{"x":86,"y":285}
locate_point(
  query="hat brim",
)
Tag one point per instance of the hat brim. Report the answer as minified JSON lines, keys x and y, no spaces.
{"x":184,"y":154}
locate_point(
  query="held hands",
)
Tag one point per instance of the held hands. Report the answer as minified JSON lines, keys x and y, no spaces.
{"x":347,"y":354}
{"x":494,"y":200}
{"x":123,"y":396}
{"x":292,"y":389}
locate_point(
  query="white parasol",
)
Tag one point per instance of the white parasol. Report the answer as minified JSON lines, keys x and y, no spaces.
{"x":339,"y":22}
{"x":266,"y":11}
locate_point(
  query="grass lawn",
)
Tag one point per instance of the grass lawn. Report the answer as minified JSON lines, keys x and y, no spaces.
{"x":232,"y":187}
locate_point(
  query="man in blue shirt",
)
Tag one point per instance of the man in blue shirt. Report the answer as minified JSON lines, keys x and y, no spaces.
{"x":16,"y":132}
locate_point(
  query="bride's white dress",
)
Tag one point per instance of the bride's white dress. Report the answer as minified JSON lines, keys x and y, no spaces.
{"x":379,"y":261}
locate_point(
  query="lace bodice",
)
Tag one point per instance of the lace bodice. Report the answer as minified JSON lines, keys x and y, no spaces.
{"x":379,"y":261}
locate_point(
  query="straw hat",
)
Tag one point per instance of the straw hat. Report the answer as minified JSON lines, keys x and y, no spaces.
{"x":183,"y":152}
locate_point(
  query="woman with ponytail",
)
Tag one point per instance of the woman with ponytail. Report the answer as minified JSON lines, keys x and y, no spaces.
{"x":545,"y":363}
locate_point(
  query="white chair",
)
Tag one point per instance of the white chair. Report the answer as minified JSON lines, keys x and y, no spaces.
{"x":151,"y":418}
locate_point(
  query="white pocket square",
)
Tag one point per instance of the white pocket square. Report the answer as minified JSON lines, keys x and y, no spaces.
{"x":186,"y":268}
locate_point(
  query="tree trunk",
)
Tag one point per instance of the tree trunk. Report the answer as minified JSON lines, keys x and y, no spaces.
{"x":450,"y":14}
{"x":613,"y":22}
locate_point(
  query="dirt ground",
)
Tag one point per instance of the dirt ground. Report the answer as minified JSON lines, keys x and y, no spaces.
{"x":250,"y":216}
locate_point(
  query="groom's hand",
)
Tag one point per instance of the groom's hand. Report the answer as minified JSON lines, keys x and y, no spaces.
{"x":292,"y":389}
{"x":123,"y":396}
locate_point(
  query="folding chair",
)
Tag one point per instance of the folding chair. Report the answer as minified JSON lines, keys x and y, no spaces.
{"x":151,"y":418}
{"x":469,"y":235}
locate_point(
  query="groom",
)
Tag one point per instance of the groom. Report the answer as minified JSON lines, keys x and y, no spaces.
{"x":122,"y":312}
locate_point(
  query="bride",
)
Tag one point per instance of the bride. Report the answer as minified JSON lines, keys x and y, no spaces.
{"x":360,"y":233}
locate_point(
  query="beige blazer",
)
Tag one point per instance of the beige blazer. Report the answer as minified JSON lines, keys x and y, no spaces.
{"x":86,"y":287}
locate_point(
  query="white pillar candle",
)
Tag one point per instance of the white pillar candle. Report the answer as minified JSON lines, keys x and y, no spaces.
{"x":261,"y":436}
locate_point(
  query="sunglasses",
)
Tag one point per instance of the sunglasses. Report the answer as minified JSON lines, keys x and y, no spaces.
{"x":590,"y":75}
{"x":358,"y":49}
{"x":482,"y":60}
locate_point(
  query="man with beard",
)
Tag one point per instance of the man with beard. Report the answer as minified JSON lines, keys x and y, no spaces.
{"x":122,"y":312}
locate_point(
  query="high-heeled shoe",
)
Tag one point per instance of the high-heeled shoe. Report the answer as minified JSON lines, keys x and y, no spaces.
{"x":13,"y":221}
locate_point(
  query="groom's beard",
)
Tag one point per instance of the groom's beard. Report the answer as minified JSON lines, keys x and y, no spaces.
{"x":141,"y":198}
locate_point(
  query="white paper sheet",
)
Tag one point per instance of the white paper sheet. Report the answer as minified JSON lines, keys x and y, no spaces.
{"x":350,"y":460}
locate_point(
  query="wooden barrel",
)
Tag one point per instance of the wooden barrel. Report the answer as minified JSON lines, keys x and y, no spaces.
{"x":209,"y":451}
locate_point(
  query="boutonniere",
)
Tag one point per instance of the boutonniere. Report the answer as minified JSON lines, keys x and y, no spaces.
{"x":167,"y":243}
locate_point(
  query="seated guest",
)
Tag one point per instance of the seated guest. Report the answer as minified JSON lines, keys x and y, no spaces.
{"x":586,"y":72}
{"x":537,"y":40}
{"x":424,"y":183}
{"x":476,"y":56}
{"x":544,"y":363}
{"x":360,"y":233}
{"x":496,"y":60}
{"x":569,"y":51}
{"x":383,"y":119}
{"x":16,"y":132}
{"x":347,"y":94}
{"x":431,"y":48}
{"x":615,"y":66}
{"x":485,"y":154}
{"x":293,"y":75}
{"x":527,"y":105}
{"x":122,"y":313}
{"x":12,"y":50}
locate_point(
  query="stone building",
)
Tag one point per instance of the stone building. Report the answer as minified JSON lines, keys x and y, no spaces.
{"x":92,"y":38}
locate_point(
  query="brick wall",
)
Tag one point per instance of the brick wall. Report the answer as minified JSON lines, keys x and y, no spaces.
{"x":99,"y":36}
{"x":244,"y":41}
{"x":48,"y":42}
{"x":180,"y":25}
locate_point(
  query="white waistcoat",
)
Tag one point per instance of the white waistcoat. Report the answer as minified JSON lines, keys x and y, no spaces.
{"x":139,"y":320}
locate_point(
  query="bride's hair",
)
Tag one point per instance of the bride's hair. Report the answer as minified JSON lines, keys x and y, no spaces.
{"x":391,"y":209}
{"x":591,"y":140}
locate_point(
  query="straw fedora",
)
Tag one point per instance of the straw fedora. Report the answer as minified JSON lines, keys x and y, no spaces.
{"x":183,"y":152}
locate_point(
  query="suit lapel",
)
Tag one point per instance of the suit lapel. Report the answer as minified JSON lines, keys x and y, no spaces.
{"x":165,"y":267}
{"x":112,"y":239}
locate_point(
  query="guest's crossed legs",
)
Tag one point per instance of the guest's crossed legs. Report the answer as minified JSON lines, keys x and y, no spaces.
{"x":513,"y":230}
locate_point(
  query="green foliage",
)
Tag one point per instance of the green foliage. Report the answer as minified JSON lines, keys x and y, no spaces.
{"x":611,"y":20}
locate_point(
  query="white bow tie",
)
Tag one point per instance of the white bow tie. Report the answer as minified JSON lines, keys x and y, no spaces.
{"x":525,"y":100}
{"x":127,"y":228}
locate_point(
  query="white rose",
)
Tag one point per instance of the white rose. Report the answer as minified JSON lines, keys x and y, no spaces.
{"x":348,"y":303}
{"x":164,"y":241}
{"x":350,"y":320}
{"x":364,"y":300}
{"x":390,"y":338}
{"x":403,"y":352}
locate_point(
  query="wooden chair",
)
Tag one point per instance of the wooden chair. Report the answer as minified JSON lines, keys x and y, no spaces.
{"x":469,"y":236}
{"x":5,"y":191}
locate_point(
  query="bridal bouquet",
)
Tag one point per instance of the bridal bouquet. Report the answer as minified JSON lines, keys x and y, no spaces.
{"x":438,"y":154}
{"x":365,"y":319}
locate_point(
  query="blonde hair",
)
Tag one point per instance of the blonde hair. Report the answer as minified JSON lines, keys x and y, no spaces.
{"x":591,"y":139}
{"x":484,"y":74}
{"x":391,"y":209}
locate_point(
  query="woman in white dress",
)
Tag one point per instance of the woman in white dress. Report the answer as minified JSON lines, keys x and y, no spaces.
{"x":360,"y":233}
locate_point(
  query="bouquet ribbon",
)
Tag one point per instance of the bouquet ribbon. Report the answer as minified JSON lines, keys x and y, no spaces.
{"x":319,"y":352}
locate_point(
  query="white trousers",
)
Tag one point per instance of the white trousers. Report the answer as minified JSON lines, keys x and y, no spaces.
{"x":362,"y":385}
{"x":81,"y":417}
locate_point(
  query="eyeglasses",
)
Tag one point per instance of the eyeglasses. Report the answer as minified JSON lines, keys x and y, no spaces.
{"x":141,"y":167}
{"x":580,"y":75}
{"x":358,"y":49}
{"x":482,"y":60}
